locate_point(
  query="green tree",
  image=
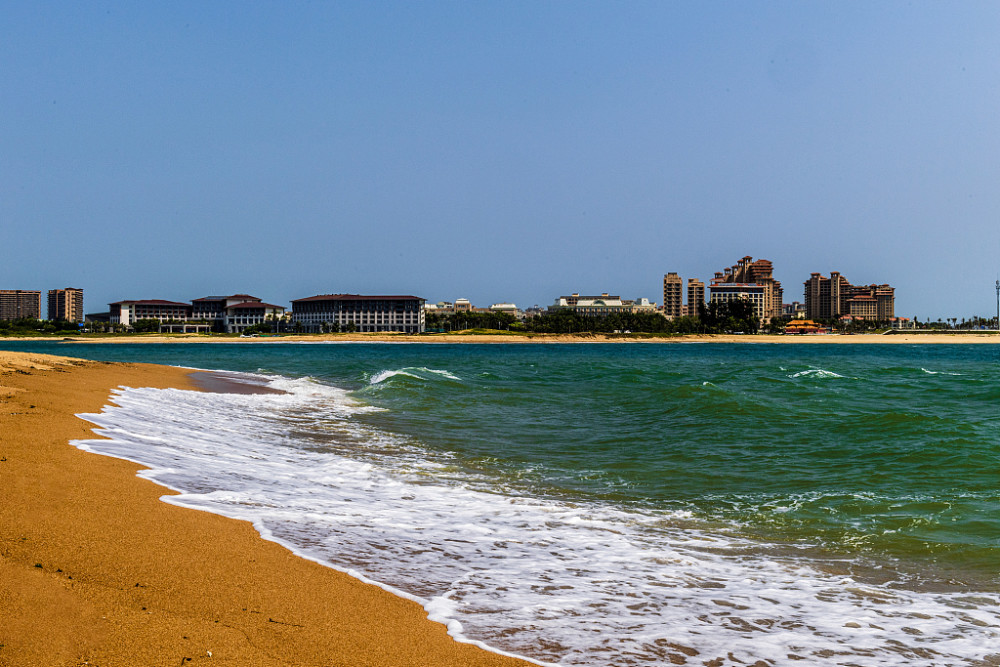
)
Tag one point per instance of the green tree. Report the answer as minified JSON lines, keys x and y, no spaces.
{"x":146,"y":326}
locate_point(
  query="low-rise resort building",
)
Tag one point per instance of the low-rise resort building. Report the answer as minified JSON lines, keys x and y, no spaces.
{"x":233,"y":314}
{"x":603,"y":305}
{"x":173,"y":316}
{"x":357,"y":312}
{"x":223,"y":314}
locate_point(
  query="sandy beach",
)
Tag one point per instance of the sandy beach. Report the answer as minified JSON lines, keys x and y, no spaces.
{"x":974,"y":337}
{"x":96,"y":570}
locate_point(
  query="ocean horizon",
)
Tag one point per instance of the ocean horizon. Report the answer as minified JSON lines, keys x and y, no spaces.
{"x":611,"y":504}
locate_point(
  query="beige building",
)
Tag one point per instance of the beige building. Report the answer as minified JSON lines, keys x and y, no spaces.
{"x":750,"y":280}
{"x":828,"y":298}
{"x":18,"y":303}
{"x":66,"y":304}
{"x":695,"y":296}
{"x":673,"y":295}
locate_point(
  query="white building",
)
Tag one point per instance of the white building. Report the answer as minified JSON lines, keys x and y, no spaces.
{"x":509,"y":308}
{"x":603,"y":305}
{"x":173,"y":316}
{"x":362,"y":312}
{"x":755,"y":294}
{"x":235,"y":313}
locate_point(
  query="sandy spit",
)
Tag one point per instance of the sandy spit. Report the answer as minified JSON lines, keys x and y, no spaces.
{"x":96,"y":570}
{"x":856,"y":339}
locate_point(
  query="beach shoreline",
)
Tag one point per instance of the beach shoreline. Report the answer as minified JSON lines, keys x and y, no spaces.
{"x":96,"y":569}
{"x":897,"y":338}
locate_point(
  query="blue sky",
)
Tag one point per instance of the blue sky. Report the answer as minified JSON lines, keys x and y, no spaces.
{"x":506,"y":151}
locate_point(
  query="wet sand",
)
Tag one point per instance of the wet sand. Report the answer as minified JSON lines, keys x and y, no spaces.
{"x":96,"y":570}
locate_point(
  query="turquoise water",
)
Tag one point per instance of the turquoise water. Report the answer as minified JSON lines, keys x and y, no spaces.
{"x":878,"y":463}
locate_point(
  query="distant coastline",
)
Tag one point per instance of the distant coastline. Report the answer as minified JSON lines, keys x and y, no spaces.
{"x":908,"y":337}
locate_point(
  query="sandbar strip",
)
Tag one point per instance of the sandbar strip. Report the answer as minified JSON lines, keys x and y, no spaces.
{"x":900,"y":337}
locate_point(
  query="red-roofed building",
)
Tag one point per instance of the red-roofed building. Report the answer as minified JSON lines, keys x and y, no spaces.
{"x":835,"y":296}
{"x":379,"y":313}
{"x":751,"y":281}
{"x":234,"y":313}
{"x":229,"y":314}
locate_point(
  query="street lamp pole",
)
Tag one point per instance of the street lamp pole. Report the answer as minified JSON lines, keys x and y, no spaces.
{"x":998,"y":304}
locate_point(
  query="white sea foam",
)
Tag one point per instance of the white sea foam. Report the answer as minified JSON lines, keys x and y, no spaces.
{"x":420,"y":373}
{"x":939,"y":372}
{"x":569,"y":584}
{"x":816,"y":373}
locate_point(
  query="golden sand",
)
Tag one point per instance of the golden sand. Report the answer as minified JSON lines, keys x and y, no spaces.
{"x":96,"y":570}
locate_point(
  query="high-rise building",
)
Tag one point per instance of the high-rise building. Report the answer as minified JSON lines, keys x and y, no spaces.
{"x":825,"y":297}
{"x":18,"y":303}
{"x":696,"y":296}
{"x":829,"y":298}
{"x":673,"y":295}
{"x":751,"y":280}
{"x":66,"y":304}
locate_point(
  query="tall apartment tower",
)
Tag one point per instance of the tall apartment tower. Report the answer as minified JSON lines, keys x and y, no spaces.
{"x":673,"y":295}
{"x":832,"y":297}
{"x":66,"y":304}
{"x":18,"y":303}
{"x":696,"y":296}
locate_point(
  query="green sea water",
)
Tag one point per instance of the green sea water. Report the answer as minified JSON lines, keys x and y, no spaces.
{"x":887,"y":450}
{"x":881,"y":462}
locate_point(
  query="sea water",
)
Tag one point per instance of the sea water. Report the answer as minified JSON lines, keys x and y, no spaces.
{"x":612,"y":504}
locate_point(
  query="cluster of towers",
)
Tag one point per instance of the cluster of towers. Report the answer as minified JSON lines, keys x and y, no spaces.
{"x":747,"y":279}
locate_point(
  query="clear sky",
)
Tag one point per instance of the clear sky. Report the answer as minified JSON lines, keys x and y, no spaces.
{"x":498,"y":151}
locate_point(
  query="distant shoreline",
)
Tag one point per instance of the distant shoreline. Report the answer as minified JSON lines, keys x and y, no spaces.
{"x":963,"y":337}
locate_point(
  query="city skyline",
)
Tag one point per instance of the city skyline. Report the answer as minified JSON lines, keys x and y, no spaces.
{"x":508,"y":152}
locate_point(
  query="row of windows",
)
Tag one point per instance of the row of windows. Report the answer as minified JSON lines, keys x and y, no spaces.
{"x":349,"y":306}
{"x":322,"y":316}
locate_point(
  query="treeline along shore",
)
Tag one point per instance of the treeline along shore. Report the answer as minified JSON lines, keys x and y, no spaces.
{"x":96,"y":569}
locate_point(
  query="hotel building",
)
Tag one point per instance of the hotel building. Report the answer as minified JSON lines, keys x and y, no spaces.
{"x":833,"y":297}
{"x":602,"y":306}
{"x":750,"y":280}
{"x":66,"y":304}
{"x":673,"y":296}
{"x":508,"y":309}
{"x":403,"y":314}
{"x":234,"y":313}
{"x":127,"y":313}
{"x":229,"y":314}
{"x":18,"y":303}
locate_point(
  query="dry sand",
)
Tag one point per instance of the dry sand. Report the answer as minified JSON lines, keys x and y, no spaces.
{"x":894,"y":338}
{"x":96,"y":570}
